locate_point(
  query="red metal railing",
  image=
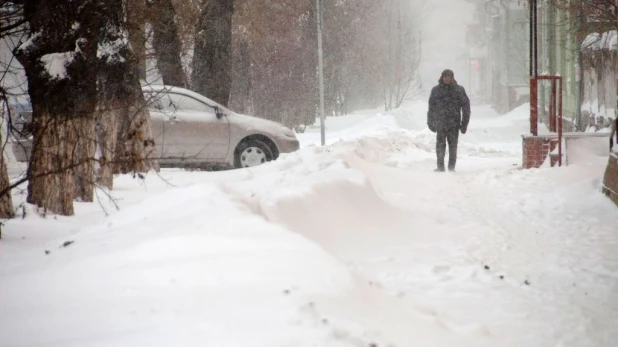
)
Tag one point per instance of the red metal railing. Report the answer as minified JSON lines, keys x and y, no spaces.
{"x":555,"y":108}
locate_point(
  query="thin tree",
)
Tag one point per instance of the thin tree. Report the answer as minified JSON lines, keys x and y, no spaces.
{"x":135,"y":26}
{"x":123,"y":133}
{"x":212,"y":61}
{"x":11,"y":23}
{"x":124,"y":136}
{"x":403,"y":53}
{"x":6,"y":202}
{"x":166,"y":42}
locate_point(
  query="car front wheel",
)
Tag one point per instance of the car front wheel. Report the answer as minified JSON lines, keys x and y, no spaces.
{"x":252,"y":153}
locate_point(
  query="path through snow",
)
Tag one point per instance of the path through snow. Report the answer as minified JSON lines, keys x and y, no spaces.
{"x":527,"y":256}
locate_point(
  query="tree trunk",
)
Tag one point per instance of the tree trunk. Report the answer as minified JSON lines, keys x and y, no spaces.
{"x":58,"y":61}
{"x":240,"y":96}
{"x":123,"y":123}
{"x":166,"y":43}
{"x":212,"y":60}
{"x":50,"y":174}
{"x":135,"y":144}
{"x":6,"y":203}
{"x":84,"y":153}
{"x":136,"y":29}
{"x":106,"y":135}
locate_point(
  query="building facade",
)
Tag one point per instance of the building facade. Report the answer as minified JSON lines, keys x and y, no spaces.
{"x":498,"y":41}
{"x":502,"y":35}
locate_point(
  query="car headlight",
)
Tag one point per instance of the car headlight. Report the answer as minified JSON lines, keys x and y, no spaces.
{"x":289,"y":133}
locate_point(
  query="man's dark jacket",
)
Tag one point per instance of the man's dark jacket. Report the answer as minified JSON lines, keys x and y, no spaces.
{"x":446,"y":105}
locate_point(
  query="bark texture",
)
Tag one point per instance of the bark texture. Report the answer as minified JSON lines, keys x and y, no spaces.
{"x":136,"y":29}
{"x":106,"y":135}
{"x":166,"y":43}
{"x":212,"y":60}
{"x":83,"y":153}
{"x":6,"y":202}
{"x":123,"y":122}
{"x":135,"y":144}
{"x":58,"y":61}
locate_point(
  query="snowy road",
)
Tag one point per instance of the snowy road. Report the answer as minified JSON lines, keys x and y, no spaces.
{"x":355,"y":243}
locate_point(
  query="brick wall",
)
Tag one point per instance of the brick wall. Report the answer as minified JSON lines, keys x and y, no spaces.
{"x":536,"y":149}
{"x":610,"y":180}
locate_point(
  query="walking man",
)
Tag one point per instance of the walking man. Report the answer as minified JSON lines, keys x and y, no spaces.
{"x":447,"y":103}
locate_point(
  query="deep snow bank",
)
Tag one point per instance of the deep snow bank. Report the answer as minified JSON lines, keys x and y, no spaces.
{"x":325,"y":195}
{"x":217,"y":262}
{"x":354,"y":243}
{"x":185,"y":266}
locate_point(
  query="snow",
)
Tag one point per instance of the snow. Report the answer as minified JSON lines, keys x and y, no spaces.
{"x":56,"y":63}
{"x":350,"y":244}
{"x":112,"y":50}
{"x":30,"y":42}
{"x":580,"y":149}
{"x":596,"y":41}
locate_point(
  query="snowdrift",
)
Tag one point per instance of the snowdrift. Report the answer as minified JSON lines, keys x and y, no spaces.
{"x":357,"y":243}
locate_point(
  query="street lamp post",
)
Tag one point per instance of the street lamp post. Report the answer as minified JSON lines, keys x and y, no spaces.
{"x":321,"y":72}
{"x":533,"y":68}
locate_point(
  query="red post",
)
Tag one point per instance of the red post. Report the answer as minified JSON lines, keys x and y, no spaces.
{"x":560,"y":123}
{"x":533,"y":107}
{"x":551,"y":104}
{"x":552,"y":107}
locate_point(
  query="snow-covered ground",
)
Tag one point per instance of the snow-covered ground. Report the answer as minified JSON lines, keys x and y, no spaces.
{"x":358,"y":243}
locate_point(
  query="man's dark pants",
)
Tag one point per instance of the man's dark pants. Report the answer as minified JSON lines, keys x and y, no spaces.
{"x":452,"y":137}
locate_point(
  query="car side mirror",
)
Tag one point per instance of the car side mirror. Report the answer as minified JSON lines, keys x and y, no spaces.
{"x":218,"y":112}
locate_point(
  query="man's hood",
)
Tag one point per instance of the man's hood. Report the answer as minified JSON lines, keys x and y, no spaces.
{"x":442,"y":83}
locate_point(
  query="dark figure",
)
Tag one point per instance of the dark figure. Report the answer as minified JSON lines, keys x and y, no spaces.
{"x":447,"y":102}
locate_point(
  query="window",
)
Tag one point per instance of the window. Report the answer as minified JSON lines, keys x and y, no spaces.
{"x":178,"y":102}
{"x":153,"y":101}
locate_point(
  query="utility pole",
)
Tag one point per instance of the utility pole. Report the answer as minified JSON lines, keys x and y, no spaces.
{"x":321,"y":72}
{"x":534,"y":72}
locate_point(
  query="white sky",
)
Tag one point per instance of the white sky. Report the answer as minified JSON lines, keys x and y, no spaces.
{"x":444,"y":33}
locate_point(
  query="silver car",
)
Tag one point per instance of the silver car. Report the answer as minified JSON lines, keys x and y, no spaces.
{"x":191,"y":130}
